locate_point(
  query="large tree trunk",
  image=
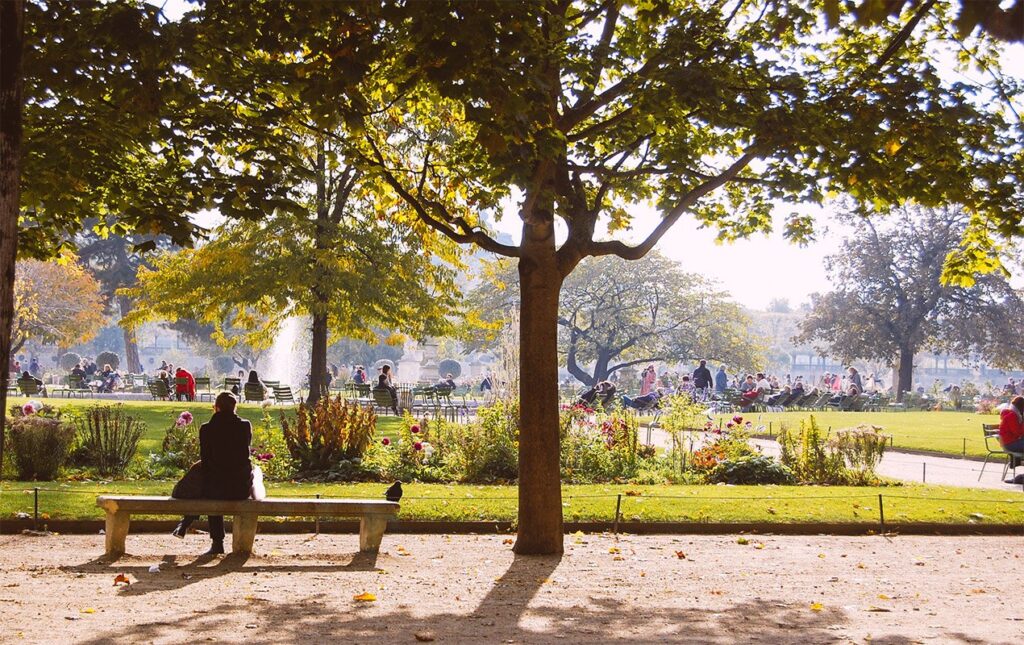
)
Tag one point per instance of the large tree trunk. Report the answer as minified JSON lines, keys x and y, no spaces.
{"x":540,"y":491}
{"x":905,"y":375}
{"x":12,"y":15}
{"x":318,"y":360}
{"x":131,"y":344}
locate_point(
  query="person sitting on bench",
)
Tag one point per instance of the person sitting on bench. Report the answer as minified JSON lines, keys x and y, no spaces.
{"x":223,"y":471}
{"x":384,"y":383}
{"x":604,"y":389}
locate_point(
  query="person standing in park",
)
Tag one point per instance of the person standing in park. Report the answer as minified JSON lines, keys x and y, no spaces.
{"x":855,"y":379}
{"x":184,"y":389}
{"x":647,"y":380}
{"x":223,"y":471}
{"x":721,"y":380}
{"x":702,"y":379}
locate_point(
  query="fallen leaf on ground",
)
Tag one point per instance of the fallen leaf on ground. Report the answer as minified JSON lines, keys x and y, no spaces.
{"x":878,"y":609}
{"x":424,"y":637}
{"x":817,"y":606}
{"x":680,"y":555}
{"x":88,"y":610}
{"x":508,"y":541}
{"x":121,"y":579}
{"x":613,"y":549}
{"x":882,"y":596}
{"x":759,"y":545}
{"x":742,"y":540}
{"x":366,"y":596}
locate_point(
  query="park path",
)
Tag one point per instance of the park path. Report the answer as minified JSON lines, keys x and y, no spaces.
{"x":905,"y":466}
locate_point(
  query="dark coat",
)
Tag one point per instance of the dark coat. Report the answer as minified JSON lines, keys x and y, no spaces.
{"x":224,"y":451}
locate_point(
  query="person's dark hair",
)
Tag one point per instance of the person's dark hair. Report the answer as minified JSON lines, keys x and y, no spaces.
{"x":1018,"y":402}
{"x":385,"y":369}
{"x":253,"y":376}
{"x":25,"y":374}
{"x":226,"y":402}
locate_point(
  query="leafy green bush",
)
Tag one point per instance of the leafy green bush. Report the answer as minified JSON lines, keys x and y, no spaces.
{"x":808,"y":455}
{"x":269,"y":450}
{"x":69,"y":360}
{"x":327,"y":432}
{"x":109,"y":437}
{"x":41,"y":445}
{"x":862,"y":448}
{"x":751,"y":469}
{"x":180,"y":447}
{"x":483,"y":452}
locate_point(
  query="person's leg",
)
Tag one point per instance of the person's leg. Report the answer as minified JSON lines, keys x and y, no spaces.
{"x":182,"y":528}
{"x":216,"y":534}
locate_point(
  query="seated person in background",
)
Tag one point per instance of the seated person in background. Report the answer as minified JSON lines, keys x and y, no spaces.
{"x":78,"y":371}
{"x":107,"y":379}
{"x":798,"y":387}
{"x":851,"y":392}
{"x":448,"y":381}
{"x":644,"y":402}
{"x":604,"y":390}
{"x":748,"y":384}
{"x":384,"y":383}
{"x":359,"y":377}
{"x":26,"y":377}
{"x":1011,"y":430}
{"x":784,"y":395}
{"x":166,"y":378}
{"x":686,"y":386}
{"x":254,"y":384}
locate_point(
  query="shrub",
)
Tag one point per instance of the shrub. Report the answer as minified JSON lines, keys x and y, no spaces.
{"x":808,"y":455}
{"x":751,"y":469}
{"x":269,"y":450}
{"x":181,"y":443}
{"x":69,"y":360}
{"x":600,"y":449}
{"x":109,"y":438}
{"x":449,"y":366}
{"x":862,"y":448}
{"x":483,"y":452}
{"x":330,"y":430}
{"x":41,"y":445}
{"x":108,"y":358}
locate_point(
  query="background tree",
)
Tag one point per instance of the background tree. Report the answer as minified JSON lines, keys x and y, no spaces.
{"x":56,"y":303}
{"x":114,"y":260}
{"x":614,"y":314}
{"x":584,"y":110}
{"x":203,"y":338}
{"x":254,"y":275}
{"x":890,"y":301}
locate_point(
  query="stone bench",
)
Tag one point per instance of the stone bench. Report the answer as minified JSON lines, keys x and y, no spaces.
{"x":373,"y":515}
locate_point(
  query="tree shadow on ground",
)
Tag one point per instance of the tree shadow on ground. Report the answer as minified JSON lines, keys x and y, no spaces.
{"x":174,"y":575}
{"x":504,"y":614}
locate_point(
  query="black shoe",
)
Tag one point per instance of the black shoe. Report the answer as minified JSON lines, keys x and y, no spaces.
{"x":180,"y":531}
{"x":216,"y":548}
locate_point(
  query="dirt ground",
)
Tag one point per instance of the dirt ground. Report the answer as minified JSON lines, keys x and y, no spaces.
{"x":472,"y":589}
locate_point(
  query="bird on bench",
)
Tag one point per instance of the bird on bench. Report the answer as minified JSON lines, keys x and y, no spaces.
{"x":394,"y":492}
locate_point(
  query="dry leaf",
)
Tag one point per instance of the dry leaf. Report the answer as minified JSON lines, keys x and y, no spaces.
{"x":742,"y":540}
{"x":508,"y":541}
{"x":817,"y":606}
{"x":878,"y":609}
{"x":759,"y":545}
{"x":680,"y":555}
{"x":366,"y":596}
{"x":821,"y":555}
{"x":88,"y":610}
{"x":882,"y":596}
{"x":613,"y":549}
{"x":121,"y":579}
{"x":424,"y":637}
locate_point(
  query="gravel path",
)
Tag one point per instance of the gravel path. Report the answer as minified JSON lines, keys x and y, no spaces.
{"x":472,"y":589}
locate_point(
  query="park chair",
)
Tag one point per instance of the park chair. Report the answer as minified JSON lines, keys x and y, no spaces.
{"x":994,"y":447}
{"x":159,"y":390}
{"x":203,"y":387}
{"x":29,"y":387}
{"x":232,"y":382}
{"x":180,"y":381}
{"x":77,"y":386}
{"x":284,"y":394}
{"x":254,"y":392}
{"x":382,"y":400}
{"x":271,"y":384}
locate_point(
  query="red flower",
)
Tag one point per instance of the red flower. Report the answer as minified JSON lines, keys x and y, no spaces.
{"x":417,"y":446}
{"x":737,"y":419}
{"x":386,"y":441}
{"x":729,"y":425}
{"x":414,"y":429}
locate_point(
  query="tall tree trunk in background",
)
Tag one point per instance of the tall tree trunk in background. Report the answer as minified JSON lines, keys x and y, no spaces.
{"x":12,"y":36}
{"x":318,"y":360}
{"x":540,"y":491}
{"x":905,"y":379}
{"x":131,"y":344}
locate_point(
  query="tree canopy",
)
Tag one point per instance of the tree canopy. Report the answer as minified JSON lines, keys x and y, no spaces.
{"x":890,"y":302}
{"x":55,"y":302}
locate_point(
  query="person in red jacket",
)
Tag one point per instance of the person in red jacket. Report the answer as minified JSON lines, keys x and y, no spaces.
{"x":1011,"y":425}
{"x":186,"y":389}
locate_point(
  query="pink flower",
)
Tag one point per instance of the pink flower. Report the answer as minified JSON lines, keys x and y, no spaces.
{"x":730,"y":424}
{"x":717,"y":431}
{"x":414,"y":429}
{"x":417,"y":446}
{"x":386,"y":441}
{"x":27,"y":409}
{"x":737,"y":419}
{"x":186,"y":416}
{"x":748,"y":424}
{"x":709,"y":424}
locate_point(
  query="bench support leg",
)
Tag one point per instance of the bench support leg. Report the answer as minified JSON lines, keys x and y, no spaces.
{"x":115,"y":532}
{"x":243,"y":533}
{"x":371,"y":532}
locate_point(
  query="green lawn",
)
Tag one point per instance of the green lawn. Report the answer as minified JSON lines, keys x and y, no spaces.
{"x":774,"y":504}
{"x":936,"y":431}
{"x":159,"y":415}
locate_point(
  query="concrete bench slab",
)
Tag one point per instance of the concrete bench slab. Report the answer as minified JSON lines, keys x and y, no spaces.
{"x":373,"y":515}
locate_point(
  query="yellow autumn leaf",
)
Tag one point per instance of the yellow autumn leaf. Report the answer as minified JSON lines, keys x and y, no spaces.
{"x":893,"y":147}
{"x":613,"y":549}
{"x":366,"y":596}
{"x":88,"y":610}
{"x":817,"y":606}
{"x":882,"y":596}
